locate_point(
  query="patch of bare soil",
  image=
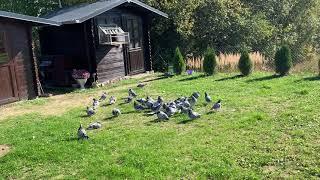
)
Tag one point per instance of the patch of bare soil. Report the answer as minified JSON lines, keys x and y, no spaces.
{"x":4,"y":149}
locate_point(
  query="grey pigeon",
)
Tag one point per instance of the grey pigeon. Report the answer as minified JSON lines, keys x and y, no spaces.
{"x":103,"y":97}
{"x":162,"y":116}
{"x":132,"y":93}
{"x":128,"y":99}
{"x":90,"y":111}
{"x":82,"y":134}
{"x":95,"y":125}
{"x":116,"y":112}
{"x":217,"y":106}
{"x":142,"y":101}
{"x":160,"y":99}
{"x":170,"y":111}
{"x":149,"y":102}
{"x":95,"y":103}
{"x":184,"y":110}
{"x":138,"y":107}
{"x":192,"y":100}
{"x":193,"y":115}
{"x":196,"y":95}
{"x":207,"y":97}
{"x":112,"y":100}
{"x":186,"y":104}
{"x":156,"y":107}
{"x":140,"y":85}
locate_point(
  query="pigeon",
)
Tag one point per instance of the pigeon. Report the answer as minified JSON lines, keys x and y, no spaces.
{"x":193,"y":115}
{"x":116,"y":112}
{"x":160,"y":99}
{"x":138,"y":107}
{"x":170,"y":111}
{"x":132,"y":93}
{"x":162,"y":116}
{"x":186,"y":104}
{"x":216,"y":106}
{"x":82,"y":134}
{"x":128,"y":99}
{"x":90,"y":111}
{"x":112,"y":100}
{"x":156,"y":107}
{"x":196,"y":95}
{"x":142,"y":101}
{"x":149,"y":103}
{"x":140,"y":85}
{"x":103,"y":97}
{"x":96,"y":125}
{"x":207,"y":97}
{"x":184,"y":110}
{"x":192,"y":100}
{"x":95,"y":103}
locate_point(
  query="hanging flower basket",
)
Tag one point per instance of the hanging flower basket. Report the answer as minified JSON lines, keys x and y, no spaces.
{"x":81,"y":76}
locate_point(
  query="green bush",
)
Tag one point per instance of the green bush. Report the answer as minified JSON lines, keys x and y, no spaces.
{"x":179,"y":65}
{"x":245,"y":64}
{"x":283,"y":60}
{"x":209,"y":62}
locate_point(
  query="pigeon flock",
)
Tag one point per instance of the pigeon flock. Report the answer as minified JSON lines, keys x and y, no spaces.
{"x":163,"y":110}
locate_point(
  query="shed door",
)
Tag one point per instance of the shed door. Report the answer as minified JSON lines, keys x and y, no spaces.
{"x":135,"y":60}
{"x":8,"y":88}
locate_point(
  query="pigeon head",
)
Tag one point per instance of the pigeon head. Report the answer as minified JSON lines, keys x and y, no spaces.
{"x":206,"y":93}
{"x":219,"y":101}
{"x":80,"y":126}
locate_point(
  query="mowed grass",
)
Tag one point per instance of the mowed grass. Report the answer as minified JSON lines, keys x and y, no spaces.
{"x":268,"y":128}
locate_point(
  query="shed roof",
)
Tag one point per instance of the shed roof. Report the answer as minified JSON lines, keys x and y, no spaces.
{"x":83,"y":12}
{"x":31,"y":19}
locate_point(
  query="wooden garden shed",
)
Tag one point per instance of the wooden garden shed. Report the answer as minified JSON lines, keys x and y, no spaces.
{"x":109,"y":38}
{"x":18,"y":75}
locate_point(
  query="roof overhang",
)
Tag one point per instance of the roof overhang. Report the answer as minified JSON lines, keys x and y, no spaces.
{"x":30,"y":19}
{"x":103,"y":9}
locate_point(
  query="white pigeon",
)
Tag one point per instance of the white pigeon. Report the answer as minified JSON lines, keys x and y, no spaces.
{"x":162,"y":116}
{"x":132,"y":93}
{"x":103,"y":97}
{"x":90,"y":111}
{"x":116,"y":112}
{"x":112,"y":100}
{"x":207,"y":97}
{"x":193,"y":115}
{"x":82,"y":134}
{"x":95,"y":103}
{"x":217,"y":106}
{"x":95,"y":125}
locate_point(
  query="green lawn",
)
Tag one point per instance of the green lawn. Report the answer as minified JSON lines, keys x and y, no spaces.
{"x":268,"y":128}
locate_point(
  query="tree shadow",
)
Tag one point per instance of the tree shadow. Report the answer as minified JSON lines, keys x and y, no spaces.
{"x":266,"y":78}
{"x":315,"y":78}
{"x":231,"y":78}
{"x":193,"y":78}
{"x":155,"y":79}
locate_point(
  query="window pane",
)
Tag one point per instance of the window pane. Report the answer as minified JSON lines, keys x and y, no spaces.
{"x":3,"y":52}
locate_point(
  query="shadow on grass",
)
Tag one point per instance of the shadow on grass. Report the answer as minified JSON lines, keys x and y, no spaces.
{"x":186,"y":121}
{"x":84,"y":116}
{"x":155,"y":79}
{"x":266,"y":78}
{"x":109,"y":118}
{"x":129,"y":112}
{"x":231,"y":78}
{"x":193,"y":78}
{"x":314,"y":78}
{"x":59,"y":90}
{"x":71,"y":139}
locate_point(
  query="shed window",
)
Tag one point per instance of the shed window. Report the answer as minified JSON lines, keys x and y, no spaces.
{"x":112,"y":35}
{"x":3,"y":51}
{"x":134,"y":28}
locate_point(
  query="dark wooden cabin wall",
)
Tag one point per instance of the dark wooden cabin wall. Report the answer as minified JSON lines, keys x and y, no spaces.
{"x":67,"y":40}
{"x":109,"y":59}
{"x":19,"y":51}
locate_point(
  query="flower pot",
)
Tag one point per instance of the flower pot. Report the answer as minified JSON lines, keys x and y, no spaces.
{"x":81,"y":82}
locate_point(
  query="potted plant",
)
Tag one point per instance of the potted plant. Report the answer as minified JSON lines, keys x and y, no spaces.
{"x":81,"y":76}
